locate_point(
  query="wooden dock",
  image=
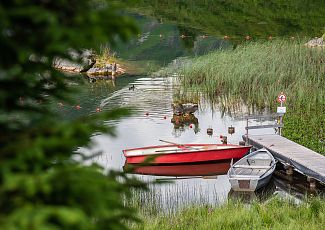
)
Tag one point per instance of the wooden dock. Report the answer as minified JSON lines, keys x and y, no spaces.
{"x":304,"y":160}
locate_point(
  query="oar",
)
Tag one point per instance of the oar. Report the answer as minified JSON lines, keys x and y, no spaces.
{"x":185,"y":146}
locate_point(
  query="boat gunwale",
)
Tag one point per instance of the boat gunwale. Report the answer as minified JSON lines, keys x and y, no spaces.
{"x":184,"y":150}
{"x":264,"y":175}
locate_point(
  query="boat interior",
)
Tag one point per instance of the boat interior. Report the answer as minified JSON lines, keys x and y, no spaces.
{"x":174,"y":149}
{"x":252,"y":166}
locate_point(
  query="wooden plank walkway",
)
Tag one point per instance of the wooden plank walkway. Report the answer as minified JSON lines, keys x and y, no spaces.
{"x":306,"y":161}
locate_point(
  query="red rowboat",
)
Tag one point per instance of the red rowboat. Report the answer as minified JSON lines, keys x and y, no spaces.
{"x":209,"y":169}
{"x":181,"y":154}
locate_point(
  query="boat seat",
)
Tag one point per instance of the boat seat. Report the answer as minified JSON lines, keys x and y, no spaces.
{"x":244,"y":177}
{"x":251,"y":166}
{"x":259,"y":161}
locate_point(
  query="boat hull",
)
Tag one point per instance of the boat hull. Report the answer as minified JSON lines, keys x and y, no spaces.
{"x":246,"y":185}
{"x":252,"y":172}
{"x":187,"y":156}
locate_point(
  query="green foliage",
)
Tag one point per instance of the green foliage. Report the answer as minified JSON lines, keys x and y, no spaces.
{"x":105,"y":57}
{"x":44,"y":183}
{"x":275,"y":214}
{"x":239,"y":18}
{"x":306,"y":127}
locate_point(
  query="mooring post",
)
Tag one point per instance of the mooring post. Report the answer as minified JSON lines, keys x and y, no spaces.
{"x":312,"y":183}
{"x":280,"y":129}
{"x":289,"y":170}
{"x":246,"y":131}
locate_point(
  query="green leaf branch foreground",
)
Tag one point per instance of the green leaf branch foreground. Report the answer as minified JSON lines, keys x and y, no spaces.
{"x":41,"y":185}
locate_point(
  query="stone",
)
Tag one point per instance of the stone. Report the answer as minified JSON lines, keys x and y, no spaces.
{"x":105,"y":71}
{"x":80,"y":61}
{"x":316,"y":42}
{"x":185,"y":108}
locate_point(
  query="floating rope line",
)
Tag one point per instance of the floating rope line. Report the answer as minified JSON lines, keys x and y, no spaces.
{"x":204,"y":36}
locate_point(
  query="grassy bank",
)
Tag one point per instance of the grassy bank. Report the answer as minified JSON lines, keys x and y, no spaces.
{"x":275,"y":214}
{"x":256,"y":72}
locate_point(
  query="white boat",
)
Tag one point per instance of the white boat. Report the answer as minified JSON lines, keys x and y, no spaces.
{"x":253,"y":171}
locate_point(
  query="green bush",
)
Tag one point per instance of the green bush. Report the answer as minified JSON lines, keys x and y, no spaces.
{"x":44,"y":183}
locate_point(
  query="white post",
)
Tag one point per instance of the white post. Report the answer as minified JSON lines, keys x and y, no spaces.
{"x":280,"y":129}
{"x":246,"y":131}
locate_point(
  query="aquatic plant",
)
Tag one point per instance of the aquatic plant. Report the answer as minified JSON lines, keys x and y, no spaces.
{"x":257,"y":71}
{"x":106,"y":56}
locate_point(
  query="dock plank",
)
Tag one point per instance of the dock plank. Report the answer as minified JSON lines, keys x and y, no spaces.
{"x":305,"y":160}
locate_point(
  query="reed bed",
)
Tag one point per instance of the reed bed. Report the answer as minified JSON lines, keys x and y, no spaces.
{"x":253,"y":74}
{"x":256,"y":72}
{"x":171,"y":197}
{"x":274,"y":214}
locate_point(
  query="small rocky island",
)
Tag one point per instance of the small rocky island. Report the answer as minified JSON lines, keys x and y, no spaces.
{"x":84,"y":61}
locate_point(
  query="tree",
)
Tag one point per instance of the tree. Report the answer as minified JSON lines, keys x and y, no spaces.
{"x":41,"y":185}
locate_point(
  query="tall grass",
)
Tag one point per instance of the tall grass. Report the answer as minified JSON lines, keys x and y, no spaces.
{"x":258,"y":71}
{"x":254,"y":74}
{"x":106,"y":56}
{"x":174,"y":196}
{"x":274,"y":214}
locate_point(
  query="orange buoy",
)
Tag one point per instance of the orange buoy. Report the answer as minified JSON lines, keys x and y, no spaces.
{"x":147,"y":114}
{"x":247,"y":37}
{"x":98,"y":110}
{"x":210,"y":131}
{"x":78,"y":107}
{"x":191,"y":125}
{"x":165,"y":117}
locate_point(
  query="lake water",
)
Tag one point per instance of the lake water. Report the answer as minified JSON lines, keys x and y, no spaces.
{"x":153,"y":96}
{"x":157,"y":46}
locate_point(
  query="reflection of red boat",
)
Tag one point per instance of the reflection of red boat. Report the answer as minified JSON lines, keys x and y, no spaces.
{"x":189,"y":153}
{"x":218,"y":168}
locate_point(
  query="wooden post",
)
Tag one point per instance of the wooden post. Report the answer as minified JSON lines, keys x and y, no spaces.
{"x":247,"y":131}
{"x":289,"y":170}
{"x":312,"y":183}
{"x":280,"y":129}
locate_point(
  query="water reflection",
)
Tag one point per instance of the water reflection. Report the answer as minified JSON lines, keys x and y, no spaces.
{"x":154,"y":119}
{"x":260,"y":195}
{"x":181,"y":170}
{"x":183,"y":122}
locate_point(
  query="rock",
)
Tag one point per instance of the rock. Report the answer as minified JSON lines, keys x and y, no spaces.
{"x":316,"y":42}
{"x":99,"y":71}
{"x":80,"y":61}
{"x":186,"y":108}
{"x":105,"y":71}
